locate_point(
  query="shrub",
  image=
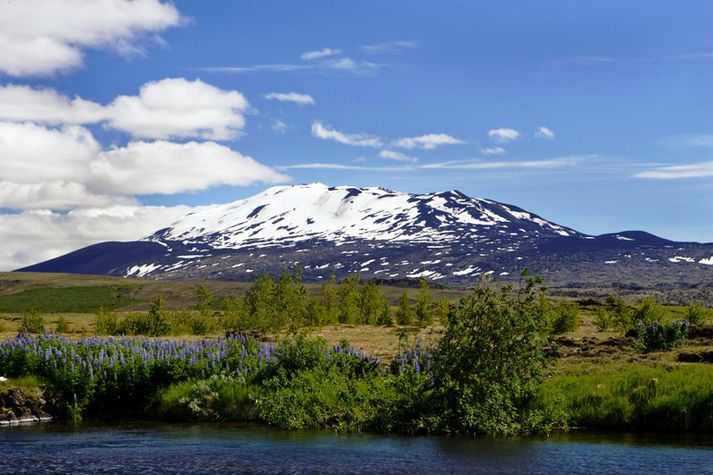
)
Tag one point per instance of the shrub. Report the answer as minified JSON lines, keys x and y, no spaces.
{"x":566,"y":318}
{"x":62,"y":325}
{"x":603,"y":319}
{"x":696,"y":313}
{"x":441,"y":309}
{"x":662,"y":336}
{"x":106,"y":323}
{"x":646,"y":312}
{"x":32,"y":322}
{"x":487,"y":366}
{"x":201,"y":323}
{"x":405,"y":314}
{"x":157,"y":323}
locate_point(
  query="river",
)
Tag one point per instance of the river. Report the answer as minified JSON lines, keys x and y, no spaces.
{"x":216,"y":448}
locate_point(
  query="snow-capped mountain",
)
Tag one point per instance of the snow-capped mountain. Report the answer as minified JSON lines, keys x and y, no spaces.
{"x":447,"y":237}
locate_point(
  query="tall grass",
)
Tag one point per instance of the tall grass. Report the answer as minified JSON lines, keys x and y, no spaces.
{"x":639,"y":397}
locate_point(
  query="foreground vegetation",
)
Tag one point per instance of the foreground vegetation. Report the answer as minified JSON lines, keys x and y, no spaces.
{"x":479,"y":378}
{"x":500,"y":361}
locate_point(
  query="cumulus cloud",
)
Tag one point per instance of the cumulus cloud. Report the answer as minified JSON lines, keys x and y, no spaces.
{"x":297,"y":98}
{"x":180,"y":108}
{"x":544,"y":133}
{"x":54,"y":195}
{"x":693,"y":170}
{"x":34,"y":236}
{"x":319,"y":54}
{"x":493,"y":151}
{"x":173,"y":107}
{"x":324,"y":132}
{"x":167,"y":168}
{"x":41,"y":37}
{"x":62,"y":168}
{"x":398,"y":156}
{"x":31,"y":153}
{"x":503,"y":135}
{"x":427,"y":142}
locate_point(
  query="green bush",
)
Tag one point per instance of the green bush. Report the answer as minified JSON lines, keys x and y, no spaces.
{"x":405,"y":314}
{"x":566,"y":318}
{"x":62,"y":325}
{"x":32,"y":322}
{"x":603,"y":319}
{"x":696,"y":313}
{"x":106,"y":323}
{"x":661,"y":336}
{"x":487,"y":366}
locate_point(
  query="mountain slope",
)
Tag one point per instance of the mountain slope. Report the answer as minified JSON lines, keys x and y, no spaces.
{"x":448,"y":237}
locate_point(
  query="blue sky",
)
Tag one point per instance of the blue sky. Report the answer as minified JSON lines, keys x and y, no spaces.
{"x":623,"y":89}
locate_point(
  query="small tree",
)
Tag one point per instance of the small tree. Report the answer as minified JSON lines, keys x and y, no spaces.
{"x":157,"y":320}
{"x":329,"y":301}
{"x":487,"y":366}
{"x":424,"y":303}
{"x":260,"y":302}
{"x":236,"y":317}
{"x":374,"y":305}
{"x":405,"y":314}
{"x":349,"y":300}
{"x":206,"y":299}
{"x":441,"y":309}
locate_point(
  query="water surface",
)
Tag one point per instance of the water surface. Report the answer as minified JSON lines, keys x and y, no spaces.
{"x":178,"y":448}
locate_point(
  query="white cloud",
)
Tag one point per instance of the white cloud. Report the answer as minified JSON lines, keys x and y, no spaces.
{"x":693,"y":170}
{"x":179,"y":108}
{"x":356,"y":140}
{"x":398,"y":156}
{"x":167,"y":168}
{"x":297,"y":98}
{"x":427,"y":142}
{"x":34,"y":236}
{"x":24,"y":103}
{"x":544,"y":133}
{"x":41,"y":37}
{"x":319,"y":54}
{"x":54,"y":195}
{"x":42,"y":167}
{"x":396,"y":46}
{"x":173,"y":107}
{"x":503,"y":135}
{"x":31,"y":153}
{"x":493,"y":151}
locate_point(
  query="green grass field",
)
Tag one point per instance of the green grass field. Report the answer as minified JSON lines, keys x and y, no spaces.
{"x":67,"y":299}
